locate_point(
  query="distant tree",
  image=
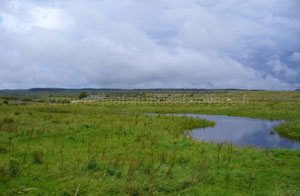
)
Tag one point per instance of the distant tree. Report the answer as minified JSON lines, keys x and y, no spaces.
{"x":82,"y":95}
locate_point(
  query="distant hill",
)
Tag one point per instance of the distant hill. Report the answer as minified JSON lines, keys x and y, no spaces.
{"x":47,"y":89}
{"x":75,"y":92}
{"x":70,"y":89}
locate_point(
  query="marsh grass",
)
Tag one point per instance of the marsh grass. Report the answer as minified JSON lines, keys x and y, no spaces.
{"x":98,"y":150}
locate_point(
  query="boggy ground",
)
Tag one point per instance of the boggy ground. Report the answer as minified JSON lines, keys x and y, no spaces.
{"x":272,"y":110}
{"x":96,"y":149}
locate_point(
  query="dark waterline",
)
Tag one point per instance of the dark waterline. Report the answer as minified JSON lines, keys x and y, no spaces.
{"x":241,"y":131}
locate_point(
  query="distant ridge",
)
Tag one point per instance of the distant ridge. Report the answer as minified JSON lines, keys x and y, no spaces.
{"x":47,"y":89}
{"x":137,"y":89}
{"x":70,"y":89}
{"x":50,"y":89}
{"x":75,"y":92}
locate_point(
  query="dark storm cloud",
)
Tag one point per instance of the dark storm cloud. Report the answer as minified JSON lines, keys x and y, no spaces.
{"x":150,"y":44}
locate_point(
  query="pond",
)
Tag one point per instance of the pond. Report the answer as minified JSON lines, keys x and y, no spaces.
{"x":241,"y":131}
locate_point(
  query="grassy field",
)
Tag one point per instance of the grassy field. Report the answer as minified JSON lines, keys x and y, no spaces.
{"x":98,"y":148}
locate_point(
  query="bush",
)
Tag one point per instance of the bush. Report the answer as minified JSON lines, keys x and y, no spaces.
{"x":5,"y":102}
{"x":17,"y":113}
{"x":82,"y":95}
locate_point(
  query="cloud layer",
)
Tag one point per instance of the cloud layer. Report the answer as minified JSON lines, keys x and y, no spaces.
{"x":150,"y":44}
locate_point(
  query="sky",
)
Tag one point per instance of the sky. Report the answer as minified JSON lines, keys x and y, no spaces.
{"x":247,"y":44}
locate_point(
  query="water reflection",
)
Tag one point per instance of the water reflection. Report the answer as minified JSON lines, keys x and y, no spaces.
{"x":241,"y":131}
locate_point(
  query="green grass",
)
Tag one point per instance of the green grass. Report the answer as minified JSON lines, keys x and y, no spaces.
{"x":272,"y":110}
{"x":95,"y":149}
{"x":290,"y":129}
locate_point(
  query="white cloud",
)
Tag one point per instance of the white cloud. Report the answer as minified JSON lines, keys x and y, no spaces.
{"x":23,"y":16}
{"x":50,"y":18}
{"x":142,"y":44}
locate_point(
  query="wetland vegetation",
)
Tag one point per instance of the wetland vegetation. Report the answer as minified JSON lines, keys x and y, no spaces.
{"x":53,"y":144}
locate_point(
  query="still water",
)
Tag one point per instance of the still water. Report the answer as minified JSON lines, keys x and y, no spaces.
{"x":241,"y":131}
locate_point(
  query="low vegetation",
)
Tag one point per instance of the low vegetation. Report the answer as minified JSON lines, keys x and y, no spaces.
{"x":112,"y":148}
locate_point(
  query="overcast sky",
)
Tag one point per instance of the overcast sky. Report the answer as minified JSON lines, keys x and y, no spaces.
{"x":251,"y":44}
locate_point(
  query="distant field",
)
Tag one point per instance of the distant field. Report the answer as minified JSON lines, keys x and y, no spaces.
{"x":59,"y":145}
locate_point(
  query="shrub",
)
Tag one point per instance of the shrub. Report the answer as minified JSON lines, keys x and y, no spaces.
{"x":5,"y":102}
{"x":17,"y":113}
{"x":82,"y":95}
